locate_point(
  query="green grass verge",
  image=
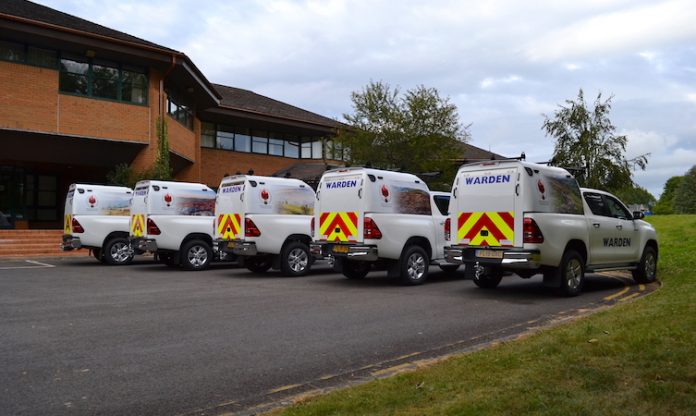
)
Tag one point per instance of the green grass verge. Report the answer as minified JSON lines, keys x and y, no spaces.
{"x":642,"y":360}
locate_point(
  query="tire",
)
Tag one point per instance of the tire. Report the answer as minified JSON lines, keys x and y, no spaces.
{"x":355,"y":270}
{"x":413,"y":265}
{"x":196,"y":255}
{"x":647,"y":268}
{"x":117,"y":251}
{"x":488,"y":277}
{"x":258,"y":264}
{"x":571,"y":272}
{"x":96,"y":252}
{"x":449,"y":268}
{"x":295,"y":259}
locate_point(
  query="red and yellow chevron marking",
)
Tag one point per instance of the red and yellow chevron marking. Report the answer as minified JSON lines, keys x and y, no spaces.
{"x":339,"y":226}
{"x":493,"y":229}
{"x":67,"y":224}
{"x":137,"y":228}
{"x":229,"y":226}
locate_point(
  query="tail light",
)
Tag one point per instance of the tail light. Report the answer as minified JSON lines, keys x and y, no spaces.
{"x":250,"y":229}
{"x":76,"y":226}
{"x":311,"y":226}
{"x":448,"y":227}
{"x":370,"y":229}
{"x":152,"y":228}
{"x":531,"y":232}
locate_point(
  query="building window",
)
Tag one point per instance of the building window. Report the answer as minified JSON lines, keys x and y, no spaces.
{"x":100,"y":79}
{"x":292,"y":149}
{"x":207,"y":135}
{"x":225,"y":138}
{"x":259,"y":142}
{"x":45,"y":58}
{"x":275,"y":145}
{"x":11,"y":51}
{"x":179,"y":112}
{"x":306,"y":152}
{"x":242,"y":140}
{"x":317,"y":150}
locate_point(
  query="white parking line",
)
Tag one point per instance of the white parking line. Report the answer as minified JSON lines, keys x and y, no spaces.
{"x":36,"y":265}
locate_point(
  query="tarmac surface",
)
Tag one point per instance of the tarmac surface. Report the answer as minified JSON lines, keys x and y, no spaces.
{"x":79,"y":338}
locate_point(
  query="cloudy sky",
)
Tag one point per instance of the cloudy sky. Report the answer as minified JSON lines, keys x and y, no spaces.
{"x":503,"y":63}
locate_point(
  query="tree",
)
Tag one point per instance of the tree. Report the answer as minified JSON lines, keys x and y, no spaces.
{"x":416,"y":132}
{"x":161,"y":169}
{"x":636,"y":195}
{"x":685,"y":197}
{"x":665,"y":205}
{"x":586,"y":140}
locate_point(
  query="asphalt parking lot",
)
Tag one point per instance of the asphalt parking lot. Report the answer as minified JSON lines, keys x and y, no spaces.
{"x":81,"y":338}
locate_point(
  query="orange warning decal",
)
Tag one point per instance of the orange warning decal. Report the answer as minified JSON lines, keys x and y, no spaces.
{"x":137,"y":228}
{"x":495,"y":229}
{"x":67,"y":224}
{"x":229,"y":226}
{"x":339,"y":226}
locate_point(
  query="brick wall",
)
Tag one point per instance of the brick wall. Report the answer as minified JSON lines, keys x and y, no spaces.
{"x":215,"y":163}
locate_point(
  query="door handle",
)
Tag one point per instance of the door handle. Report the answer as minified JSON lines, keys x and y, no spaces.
{"x":595,"y":225}
{"x":619,"y":227}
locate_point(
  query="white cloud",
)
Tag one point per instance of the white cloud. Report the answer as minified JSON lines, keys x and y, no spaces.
{"x":489,"y":82}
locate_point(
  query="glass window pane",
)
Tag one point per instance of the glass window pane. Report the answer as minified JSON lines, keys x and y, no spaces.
{"x":46,"y":214}
{"x":306,"y":150}
{"x":292,"y":149}
{"x":74,"y":66}
{"x":105,"y":81}
{"x":47,"y":183}
{"x":42,"y":57}
{"x":260,"y":145}
{"x":73,"y":83}
{"x":46,"y":198}
{"x":225,"y":140}
{"x":317,"y":150}
{"x":207,"y":134}
{"x":242,"y":141}
{"x":275,"y":147}
{"x":11,"y":51}
{"x":133,"y":87}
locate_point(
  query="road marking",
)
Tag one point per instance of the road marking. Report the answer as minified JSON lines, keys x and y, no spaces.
{"x":629,"y":297}
{"x":617,"y":294}
{"x":283,"y":388}
{"x":36,"y":265}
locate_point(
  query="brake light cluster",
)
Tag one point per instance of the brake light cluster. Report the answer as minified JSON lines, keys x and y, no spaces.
{"x":531,"y":232}
{"x":448,"y":228}
{"x":76,"y":226}
{"x":371,"y":230}
{"x":250,"y":229}
{"x":152,"y":228}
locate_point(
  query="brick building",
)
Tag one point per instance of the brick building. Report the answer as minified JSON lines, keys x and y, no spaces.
{"x":78,"y":98}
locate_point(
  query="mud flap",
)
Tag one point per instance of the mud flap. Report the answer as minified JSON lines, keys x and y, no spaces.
{"x":552,"y":278}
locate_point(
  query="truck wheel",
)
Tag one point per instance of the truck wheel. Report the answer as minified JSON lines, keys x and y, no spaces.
{"x":295,"y":259}
{"x":117,"y":251}
{"x":196,"y":255}
{"x":487,"y":277}
{"x":96,"y":252}
{"x":449,"y":268}
{"x":647,"y":268}
{"x":258,"y":264}
{"x":572,"y":273}
{"x":355,"y":269}
{"x":414,"y":265}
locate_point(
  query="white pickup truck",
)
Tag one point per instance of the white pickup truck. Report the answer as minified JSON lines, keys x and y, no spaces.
{"x":265,"y":221}
{"x":529,"y":218}
{"x":366,"y":217}
{"x":175,"y":221}
{"x":96,"y":217}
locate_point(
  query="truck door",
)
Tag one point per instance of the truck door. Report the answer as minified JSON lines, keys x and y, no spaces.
{"x":613,"y":235}
{"x":440,"y":210}
{"x":340,"y":207}
{"x":229,"y":211}
{"x":138,"y":210}
{"x":483,"y":208}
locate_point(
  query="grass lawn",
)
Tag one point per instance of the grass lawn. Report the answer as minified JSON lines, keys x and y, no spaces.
{"x":641,"y":360}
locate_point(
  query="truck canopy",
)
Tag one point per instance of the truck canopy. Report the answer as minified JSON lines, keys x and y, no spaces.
{"x":83,"y":199}
{"x":173,"y":198}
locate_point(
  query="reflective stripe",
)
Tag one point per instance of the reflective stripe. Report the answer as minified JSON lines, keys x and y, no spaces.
{"x":67,"y":225}
{"x":339,"y":226}
{"x":229,"y":226}
{"x":493,"y":229}
{"x":137,"y":225}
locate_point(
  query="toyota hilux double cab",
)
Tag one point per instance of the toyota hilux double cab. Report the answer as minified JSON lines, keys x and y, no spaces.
{"x":368,"y":217}
{"x":96,"y":217}
{"x":174,"y":220}
{"x":265,"y":222}
{"x":528,"y":218}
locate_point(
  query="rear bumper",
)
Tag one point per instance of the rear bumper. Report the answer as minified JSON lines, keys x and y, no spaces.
{"x":143,"y":244}
{"x":510,"y":258}
{"x":237,"y":247}
{"x":361,"y":252}
{"x":70,"y":243}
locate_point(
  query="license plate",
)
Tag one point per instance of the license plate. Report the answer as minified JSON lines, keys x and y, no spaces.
{"x":340,"y":249}
{"x":489,"y":254}
{"x":231,"y":244}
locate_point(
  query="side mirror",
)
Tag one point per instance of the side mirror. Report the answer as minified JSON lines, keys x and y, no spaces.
{"x":638,"y":215}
